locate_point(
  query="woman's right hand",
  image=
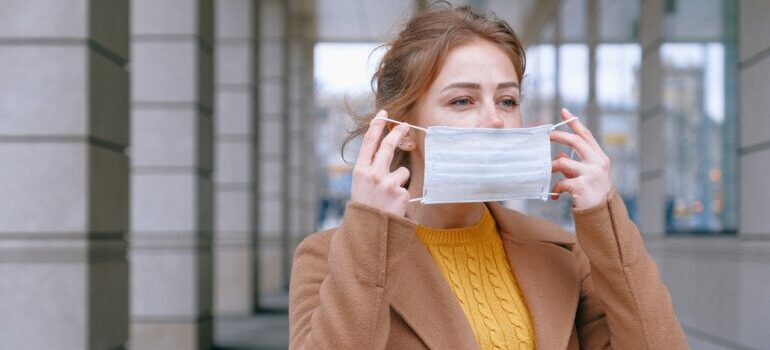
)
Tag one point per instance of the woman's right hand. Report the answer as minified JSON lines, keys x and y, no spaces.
{"x":373,"y":183}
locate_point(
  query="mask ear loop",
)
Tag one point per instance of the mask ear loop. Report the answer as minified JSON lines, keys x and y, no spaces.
{"x":402,"y":123}
{"x":411,"y":126}
{"x":564,"y":122}
{"x":572,"y":150}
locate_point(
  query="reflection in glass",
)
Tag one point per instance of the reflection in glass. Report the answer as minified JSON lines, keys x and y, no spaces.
{"x":694,"y":100}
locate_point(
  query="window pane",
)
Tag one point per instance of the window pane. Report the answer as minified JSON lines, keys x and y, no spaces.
{"x":573,"y":18}
{"x":617,"y":95}
{"x":573,"y":79}
{"x":618,"y":21}
{"x":696,"y":132}
{"x":699,"y":68}
{"x":342,"y":73}
{"x":539,"y":87}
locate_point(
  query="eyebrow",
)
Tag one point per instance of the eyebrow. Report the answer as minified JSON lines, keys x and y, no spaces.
{"x":464,"y":85}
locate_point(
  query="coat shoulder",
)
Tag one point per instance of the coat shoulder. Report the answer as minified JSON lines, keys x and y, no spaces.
{"x":315,"y":245}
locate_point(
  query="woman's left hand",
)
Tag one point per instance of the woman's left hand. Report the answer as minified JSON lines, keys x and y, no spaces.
{"x":587,"y":180}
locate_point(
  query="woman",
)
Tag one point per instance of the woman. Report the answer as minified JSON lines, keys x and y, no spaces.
{"x":399,"y":274}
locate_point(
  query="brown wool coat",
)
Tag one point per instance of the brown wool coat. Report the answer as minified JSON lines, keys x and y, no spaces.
{"x":371,"y":284}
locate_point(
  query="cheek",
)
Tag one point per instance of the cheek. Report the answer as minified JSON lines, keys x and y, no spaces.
{"x":515,"y":120}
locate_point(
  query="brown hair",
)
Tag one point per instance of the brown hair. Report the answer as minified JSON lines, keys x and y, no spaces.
{"x":415,"y":57}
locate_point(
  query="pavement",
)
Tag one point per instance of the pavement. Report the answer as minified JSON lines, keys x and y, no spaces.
{"x":267,"y":329}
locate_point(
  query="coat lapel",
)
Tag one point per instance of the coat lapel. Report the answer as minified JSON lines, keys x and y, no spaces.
{"x":428,"y":305}
{"x":546,"y":272}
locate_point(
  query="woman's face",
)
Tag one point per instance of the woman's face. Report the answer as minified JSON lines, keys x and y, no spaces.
{"x":477,"y":87}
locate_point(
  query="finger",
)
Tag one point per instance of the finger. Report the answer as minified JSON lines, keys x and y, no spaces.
{"x":569,"y":167}
{"x":564,"y":185}
{"x":384,"y":154}
{"x":577,"y":143}
{"x":581,"y":130}
{"x":371,"y":140}
{"x":400,"y":175}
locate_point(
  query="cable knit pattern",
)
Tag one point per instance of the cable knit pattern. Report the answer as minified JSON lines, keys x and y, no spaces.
{"x":474,"y":264}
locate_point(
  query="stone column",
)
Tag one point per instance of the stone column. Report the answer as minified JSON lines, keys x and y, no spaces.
{"x":235,"y":145}
{"x":171,"y":187}
{"x":754,"y":151}
{"x":272,"y":153}
{"x":652,"y":163}
{"x":754,"y":162}
{"x":593,"y":119}
{"x":64,"y":175}
{"x":300,"y":203}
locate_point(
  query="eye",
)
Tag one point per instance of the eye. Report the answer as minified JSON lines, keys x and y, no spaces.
{"x":462,"y":101}
{"x":509,"y":102}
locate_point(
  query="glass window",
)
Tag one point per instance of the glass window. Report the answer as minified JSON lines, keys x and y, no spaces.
{"x":573,"y":77}
{"x":540,"y":105}
{"x":699,"y":65}
{"x":342,"y":76}
{"x":618,"y":21}
{"x":539,"y":86}
{"x":617,"y":95}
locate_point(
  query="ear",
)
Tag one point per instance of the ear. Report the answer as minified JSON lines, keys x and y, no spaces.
{"x":407,"y":144}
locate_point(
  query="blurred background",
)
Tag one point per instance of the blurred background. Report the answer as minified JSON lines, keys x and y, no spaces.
{"x":161,"y":159}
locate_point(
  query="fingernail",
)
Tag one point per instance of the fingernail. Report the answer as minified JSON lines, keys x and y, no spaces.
{"x":566,"y":111}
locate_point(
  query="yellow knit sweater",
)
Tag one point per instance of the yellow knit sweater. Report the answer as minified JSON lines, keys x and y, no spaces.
{"x":474,"y":263}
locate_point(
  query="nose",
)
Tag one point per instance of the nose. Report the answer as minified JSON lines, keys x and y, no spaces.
{"x":491,"y":117}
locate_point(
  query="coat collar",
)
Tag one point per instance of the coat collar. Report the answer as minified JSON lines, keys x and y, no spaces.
{"x":538,"y":252}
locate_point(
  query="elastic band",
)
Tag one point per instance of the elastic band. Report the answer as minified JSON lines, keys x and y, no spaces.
{"x":415,"y":199}
{"x":399,"y":122}
{"x":564,"y":122}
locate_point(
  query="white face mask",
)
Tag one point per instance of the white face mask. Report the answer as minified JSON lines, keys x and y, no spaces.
{"x":483,"y":165}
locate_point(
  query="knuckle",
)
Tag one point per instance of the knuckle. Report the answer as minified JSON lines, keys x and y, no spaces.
{"x":391,"y":184}
{"x":605,"y":163}
{"x":371,"y":175}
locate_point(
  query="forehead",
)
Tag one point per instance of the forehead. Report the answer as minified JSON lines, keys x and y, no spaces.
{"x":477,"y":61}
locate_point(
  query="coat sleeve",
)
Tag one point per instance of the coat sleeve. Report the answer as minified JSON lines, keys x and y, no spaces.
{"x":623,"y":303}
{"x":340,"y":283}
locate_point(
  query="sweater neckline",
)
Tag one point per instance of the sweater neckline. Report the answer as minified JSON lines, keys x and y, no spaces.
{"x":479,"y":232}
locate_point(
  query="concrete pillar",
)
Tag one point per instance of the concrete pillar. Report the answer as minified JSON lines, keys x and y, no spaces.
{"x":64,"y":175}
{"x":754,"y":152}
{"x":300,"y":203}
{"x":171,"y":164}
{"x":652,"y":162}
{"x":272,"y":153}
{"x":235,"y":148}
{"x":593,"y":119}
{"x":754,"y":163}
